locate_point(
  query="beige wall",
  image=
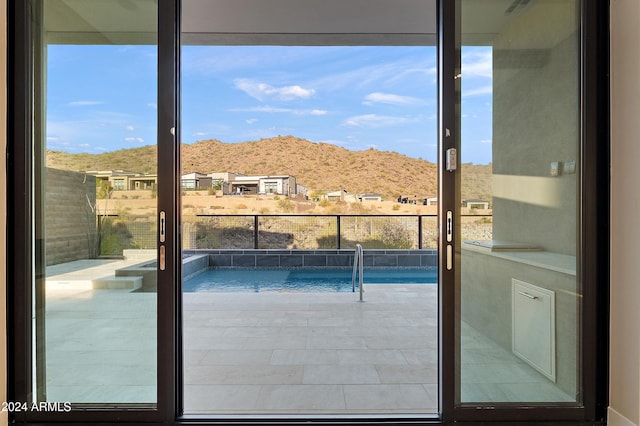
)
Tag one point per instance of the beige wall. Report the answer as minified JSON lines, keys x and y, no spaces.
{"x":535,"y":123}
{"x":625,"y":229}
{"x":3,"y":207}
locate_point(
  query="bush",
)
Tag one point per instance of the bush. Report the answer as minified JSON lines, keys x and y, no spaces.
{"x":396,"y":236}
{"x":115,"y":237}
{"x":285,"y":205}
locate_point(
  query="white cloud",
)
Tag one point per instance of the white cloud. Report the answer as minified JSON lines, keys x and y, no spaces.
{"x":262,"y":91}
{"x":478,"y":91}
{"x":486,"y":141}
{"x":374,"y":121}
{"x":84,"y":103}
{"x":270,"y":110}
{"x":130,"y":128}
{"x":477,"y":64}
{"x":152,"y":105}
{"x":134,"y":140}
{"x":266,"y":108}
{"x":199,"y":134}
{"x":251,"y":120}
{"x":389,"y":98}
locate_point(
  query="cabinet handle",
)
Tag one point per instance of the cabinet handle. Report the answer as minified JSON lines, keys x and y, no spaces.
{"x":530,"y":296}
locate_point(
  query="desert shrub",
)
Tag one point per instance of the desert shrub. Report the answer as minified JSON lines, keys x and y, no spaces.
{"x":276,"y":197}
{"x":285,"y":205}
{"x":336,"y":209}
{"x":240,"y":206}
{"x":324,"y":203}
{"x":114,"y":237}
{"x":359,"y":208}
{"x":396,"y":207}
{"x":264,"y":210}
{"x":104,"y":191}
{"x":396,"y":236}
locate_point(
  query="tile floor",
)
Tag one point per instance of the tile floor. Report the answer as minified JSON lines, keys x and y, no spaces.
{"x":328,"y":353}
{"x":272,"y":353}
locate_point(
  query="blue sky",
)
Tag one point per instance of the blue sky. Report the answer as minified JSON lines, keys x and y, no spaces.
{"x":102,"y":98}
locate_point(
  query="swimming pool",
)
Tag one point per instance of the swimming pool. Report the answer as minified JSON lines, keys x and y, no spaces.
{"x":300,"y":280}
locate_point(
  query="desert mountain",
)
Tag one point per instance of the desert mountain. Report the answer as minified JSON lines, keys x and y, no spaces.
{"x":318,"y":166}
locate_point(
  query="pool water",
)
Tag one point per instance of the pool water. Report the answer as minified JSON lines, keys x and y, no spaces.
{"x":300,"y":280}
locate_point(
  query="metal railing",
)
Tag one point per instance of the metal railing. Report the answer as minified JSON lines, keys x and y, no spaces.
{"x":358,"y":270}
{"x":297,"y":231}
{"x":341,"y":231}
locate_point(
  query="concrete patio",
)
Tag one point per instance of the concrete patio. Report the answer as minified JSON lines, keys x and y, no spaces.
{"x":271,"y":352}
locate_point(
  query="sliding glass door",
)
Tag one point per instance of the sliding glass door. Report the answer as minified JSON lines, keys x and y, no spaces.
{"x":519,"y":292}
{"x":86,"y":272}
{"x":305,"y":137}
{"x":354,"y":210}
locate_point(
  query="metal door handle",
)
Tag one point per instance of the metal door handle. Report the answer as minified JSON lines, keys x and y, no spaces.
{"x":163,"y":226}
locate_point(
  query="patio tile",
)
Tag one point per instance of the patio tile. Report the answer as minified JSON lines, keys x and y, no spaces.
{"x":302,"y":397}
{"x":408,"y":374}
{"x":234,"y":357}
{"x":411,"y":397}
{"x":340,"y":374}
{"x":243,"y":374}
{"x":304,"y":357}
{"x":363,"y":356}
{"x":220,"y":398}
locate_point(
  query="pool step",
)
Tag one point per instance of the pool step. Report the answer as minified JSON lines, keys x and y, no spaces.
{"x":117,"y":283}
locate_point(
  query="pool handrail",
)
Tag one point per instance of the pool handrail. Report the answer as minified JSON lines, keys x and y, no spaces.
{"x":357,"y":267}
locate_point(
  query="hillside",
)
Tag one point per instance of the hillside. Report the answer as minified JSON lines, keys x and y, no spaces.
{"x":318,"y":166}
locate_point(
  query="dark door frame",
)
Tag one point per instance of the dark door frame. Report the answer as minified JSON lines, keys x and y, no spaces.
{"x":594,"y":227}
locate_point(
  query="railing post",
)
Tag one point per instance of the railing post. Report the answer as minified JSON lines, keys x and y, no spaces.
{"x":419,"y":232}
{"x":338,"y":230}
{"x":255,"y":232}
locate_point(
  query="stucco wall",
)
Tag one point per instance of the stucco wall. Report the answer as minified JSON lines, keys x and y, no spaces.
{"x":625,"y":205}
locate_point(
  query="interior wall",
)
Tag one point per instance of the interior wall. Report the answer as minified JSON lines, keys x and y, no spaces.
{"x":624,"y":406}
{"x":3,"y":208}
{"x":535,"y":123}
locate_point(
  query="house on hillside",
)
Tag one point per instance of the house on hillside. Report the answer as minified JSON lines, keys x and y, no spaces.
{"x":276,"y":185}
{"x":475,"y":203}
{"x":369,"y":197}
{"x":222,"y":180}
{"x":124,"y":180}
{"x":195,"y":180}
{"x":339,"y":195}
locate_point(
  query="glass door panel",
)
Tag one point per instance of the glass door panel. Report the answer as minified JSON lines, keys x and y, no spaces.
{"x":519,"y":293}
{"x":302,"y":138}
{"x":95,"y":187}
